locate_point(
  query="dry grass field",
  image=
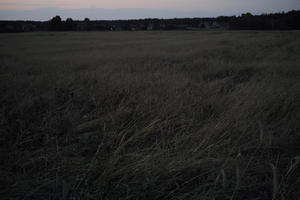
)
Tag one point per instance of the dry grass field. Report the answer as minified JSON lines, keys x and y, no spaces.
{"x":150,"y":115}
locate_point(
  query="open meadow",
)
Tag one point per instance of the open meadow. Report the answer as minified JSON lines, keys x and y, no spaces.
{"x":210,"y":115}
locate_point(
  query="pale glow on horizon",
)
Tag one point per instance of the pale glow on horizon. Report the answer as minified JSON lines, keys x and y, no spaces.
{"x":184,"y":5}
{"x":206,"y":7}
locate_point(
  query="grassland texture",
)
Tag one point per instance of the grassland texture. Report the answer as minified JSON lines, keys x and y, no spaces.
{"x":150,"y":115}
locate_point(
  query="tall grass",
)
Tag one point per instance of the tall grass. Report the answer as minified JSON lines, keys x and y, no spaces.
{"x":150,"y":115}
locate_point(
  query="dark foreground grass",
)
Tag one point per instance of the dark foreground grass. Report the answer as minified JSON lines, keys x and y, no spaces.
{"x":150,"y":115}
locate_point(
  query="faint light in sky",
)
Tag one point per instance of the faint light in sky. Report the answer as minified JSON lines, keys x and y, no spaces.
{"x":150,"y":4}
{"x":143,"y":8}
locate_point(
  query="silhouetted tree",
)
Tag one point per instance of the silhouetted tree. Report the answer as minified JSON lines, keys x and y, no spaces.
{"x":85,"y":25}
{"x":55,"y":24}
{"x":70,"y":25}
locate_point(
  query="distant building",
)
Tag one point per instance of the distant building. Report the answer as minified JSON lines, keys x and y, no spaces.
{"x":213,"y":25}
{"x":135,"y":27}
{"x":150,"y":27}
{"x":28,"y":27}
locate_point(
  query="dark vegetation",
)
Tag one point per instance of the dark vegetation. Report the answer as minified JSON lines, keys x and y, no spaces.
{"x":278,"y":21}
{"x":150,"y":115}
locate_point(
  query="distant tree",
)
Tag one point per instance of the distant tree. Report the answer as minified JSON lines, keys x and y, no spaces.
{"x":69,"y":20}
{"x":70,"y":25}
{"x":247,"y":15}
{"x":85,"y":25}
{"x":55,"y":24}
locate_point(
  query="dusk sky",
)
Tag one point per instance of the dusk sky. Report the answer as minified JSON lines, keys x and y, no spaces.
{"x":128,"y":9}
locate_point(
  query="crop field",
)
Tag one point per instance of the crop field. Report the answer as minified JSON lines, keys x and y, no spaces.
{"x":178,"y":115}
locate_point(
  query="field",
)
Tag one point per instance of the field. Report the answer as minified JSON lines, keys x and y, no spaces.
{"x":150,"y":115}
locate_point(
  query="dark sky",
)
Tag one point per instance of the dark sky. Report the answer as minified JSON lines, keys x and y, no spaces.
{"x":124,"y":9}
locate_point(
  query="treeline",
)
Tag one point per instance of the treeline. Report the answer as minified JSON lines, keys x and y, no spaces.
{"x":277,"y":21}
